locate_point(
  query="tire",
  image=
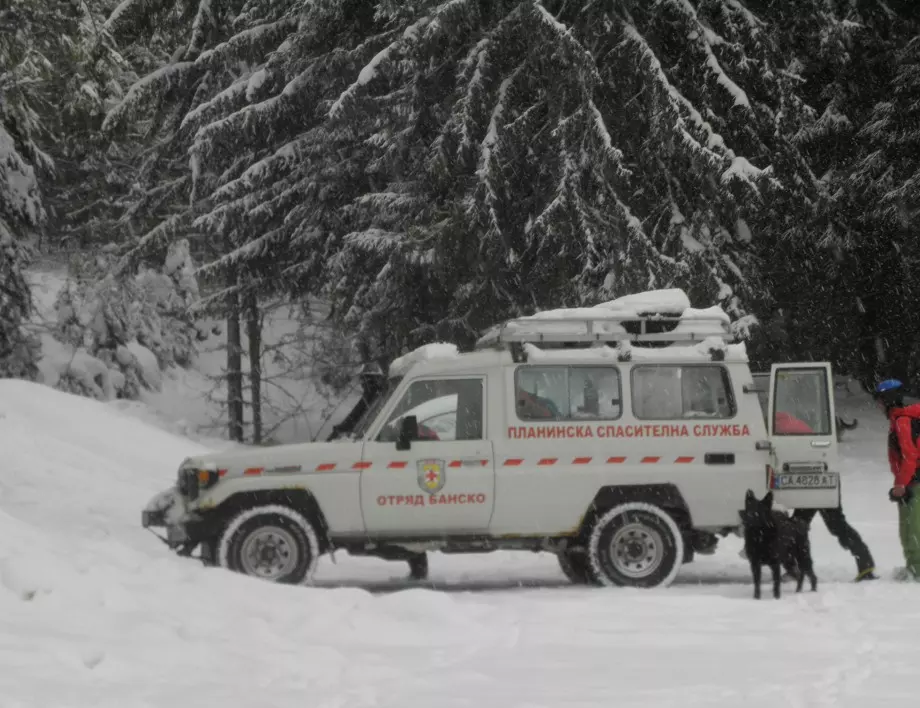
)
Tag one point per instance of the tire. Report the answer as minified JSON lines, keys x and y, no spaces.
{"x":576,"y":567}
{"x":289,"y":540}
{"x":418,"y":567}
{"x":636,"y":545}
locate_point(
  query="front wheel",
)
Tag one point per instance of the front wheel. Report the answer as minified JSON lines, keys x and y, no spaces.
{"x":575,"y":566}
{"x":636,"y":545}
{"x":271,"y":542}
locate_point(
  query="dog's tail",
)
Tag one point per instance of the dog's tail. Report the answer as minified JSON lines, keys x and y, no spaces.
{"x":843,"y":425}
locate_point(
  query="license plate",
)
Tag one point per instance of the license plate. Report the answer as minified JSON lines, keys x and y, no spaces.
{"x":805,"y":480}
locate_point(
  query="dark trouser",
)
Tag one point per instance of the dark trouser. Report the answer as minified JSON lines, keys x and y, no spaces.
{"x":846,"y":535}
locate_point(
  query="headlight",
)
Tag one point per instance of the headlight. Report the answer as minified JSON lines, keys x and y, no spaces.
{"x":193,"y":479}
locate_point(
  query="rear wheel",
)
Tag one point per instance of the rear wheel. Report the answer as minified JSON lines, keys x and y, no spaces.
{"x":636,"y":545}
{"x":271,"y":542}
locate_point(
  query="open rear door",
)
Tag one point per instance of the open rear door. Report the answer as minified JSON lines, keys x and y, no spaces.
{"x":804,"y":472}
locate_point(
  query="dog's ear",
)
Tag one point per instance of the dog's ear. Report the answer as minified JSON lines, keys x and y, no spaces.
{"x":749,"y":499}
{"x":768,"y":500}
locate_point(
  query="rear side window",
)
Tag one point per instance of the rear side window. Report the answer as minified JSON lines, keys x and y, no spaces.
{"x":681,"y":392}
{"x":568,"y":393}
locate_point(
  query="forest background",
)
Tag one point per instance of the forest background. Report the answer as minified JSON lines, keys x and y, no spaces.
{"x":396,"y":172}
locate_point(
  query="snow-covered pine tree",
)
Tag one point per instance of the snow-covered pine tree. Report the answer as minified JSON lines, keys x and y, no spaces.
{"x":844,"y":54}
{"x":27,"y":38}
{"x":90,"y":174}
{"x":583,"y":152}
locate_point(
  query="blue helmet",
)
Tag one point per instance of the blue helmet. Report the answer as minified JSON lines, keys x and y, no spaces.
{"x":887,"y":385}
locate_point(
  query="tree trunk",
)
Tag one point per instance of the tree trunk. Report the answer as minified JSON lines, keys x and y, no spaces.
{"x":254,"y":332}
{"x":234,"y":363}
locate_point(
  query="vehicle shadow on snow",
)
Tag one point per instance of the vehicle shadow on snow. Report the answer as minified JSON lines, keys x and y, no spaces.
{"x":731,"y":584}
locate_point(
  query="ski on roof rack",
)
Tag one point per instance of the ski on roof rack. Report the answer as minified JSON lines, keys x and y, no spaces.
{"x":608,"y":327}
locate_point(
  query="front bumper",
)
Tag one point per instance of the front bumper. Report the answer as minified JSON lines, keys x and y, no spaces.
{"x":185,"y":529}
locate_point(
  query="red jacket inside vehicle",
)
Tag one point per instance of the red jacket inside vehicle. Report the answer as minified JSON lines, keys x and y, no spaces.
{"x":787,"y":424}
{"x":902,"y":443}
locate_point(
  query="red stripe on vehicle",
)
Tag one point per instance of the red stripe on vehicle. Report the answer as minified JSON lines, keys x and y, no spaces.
{"x":397,"y":465}
{"x":253,"y":471}
{"x":221,"y":473}
{"x":615,"y":460}
{"x":455,"y":463}
{"x":325,"y":467}
{"x":683,"y":460}
{"x":361,"y":465}
{"x":648,"y":460}
{"x":548,"y":461}
{"x":514,"y":462}
{"x":581,"y":460}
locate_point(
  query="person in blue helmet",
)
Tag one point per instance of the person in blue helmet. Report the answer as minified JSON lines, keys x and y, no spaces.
{"x":903,"y":458}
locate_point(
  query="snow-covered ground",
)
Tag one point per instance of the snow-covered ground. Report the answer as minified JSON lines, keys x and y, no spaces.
{"x":95,"y":612}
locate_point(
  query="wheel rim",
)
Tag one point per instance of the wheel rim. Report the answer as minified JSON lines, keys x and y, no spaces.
{"x":269,"y":553}
{"x":636,"y":550}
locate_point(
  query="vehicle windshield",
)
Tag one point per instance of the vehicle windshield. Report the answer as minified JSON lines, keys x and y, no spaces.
{"x":371,"y":413}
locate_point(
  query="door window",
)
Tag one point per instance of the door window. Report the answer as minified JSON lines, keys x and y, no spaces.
{"x":800,"y":402}
{"x":446,"y":409}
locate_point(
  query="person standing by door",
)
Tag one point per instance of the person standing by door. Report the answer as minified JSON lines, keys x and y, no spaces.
{"x":835,"y":520}
{"x":903,"y":457}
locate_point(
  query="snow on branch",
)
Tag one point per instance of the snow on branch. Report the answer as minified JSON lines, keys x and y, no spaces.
{"x":230,"y":95}
{"x":739,"y":96}
{"x":369,"y":72}
{"x":497,"y":111}
{"x":157,"y":238}
{"x":129,"y":14}
{"x":677,"y":101}
{"x":709,"y":38}
{"x":147,"y":90}
{"x":374,"y":240}
{"x":19,"y":191}
{"x":579,"y":52}
{"x":600,"y":128}
{"x":248,"y":45}
{"x":740,"y":8}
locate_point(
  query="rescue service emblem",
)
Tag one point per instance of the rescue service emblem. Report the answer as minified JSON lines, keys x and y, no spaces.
{"x":431,"y":475}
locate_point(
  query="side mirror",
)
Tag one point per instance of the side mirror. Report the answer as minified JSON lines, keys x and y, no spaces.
{"x":763,"y":445}
{"x":408,"y":431}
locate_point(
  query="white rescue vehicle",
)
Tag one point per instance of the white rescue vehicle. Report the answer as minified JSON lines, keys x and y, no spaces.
{"x":621,"y":437}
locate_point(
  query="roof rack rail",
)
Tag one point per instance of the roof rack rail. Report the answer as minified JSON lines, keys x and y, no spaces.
{"x":608,"y":327}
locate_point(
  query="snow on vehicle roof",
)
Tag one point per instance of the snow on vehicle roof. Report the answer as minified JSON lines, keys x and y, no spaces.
{"x":426,"y":352}
{"x":606,"y":321}
{"x":671,"y":302}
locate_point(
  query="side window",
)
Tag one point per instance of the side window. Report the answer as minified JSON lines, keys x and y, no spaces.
{"x":568,"y":393}
{"x":801,"y":404}
{"x":674,"y":392}
{"x":446,"y":409}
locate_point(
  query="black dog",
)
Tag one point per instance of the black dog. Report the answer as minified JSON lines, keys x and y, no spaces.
{"x":775,"y":539}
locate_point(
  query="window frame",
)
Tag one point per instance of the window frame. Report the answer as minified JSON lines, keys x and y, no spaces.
{"x":567,"y":367}
{"x":726,"y":380}
{"x":385,"y":415}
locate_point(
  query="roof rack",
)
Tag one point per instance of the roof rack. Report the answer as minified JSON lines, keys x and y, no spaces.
{"x":608,"y":327}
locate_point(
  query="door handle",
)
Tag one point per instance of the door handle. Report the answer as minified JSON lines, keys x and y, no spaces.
{"x":820,"y":443}
{"x":719,"y":458}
